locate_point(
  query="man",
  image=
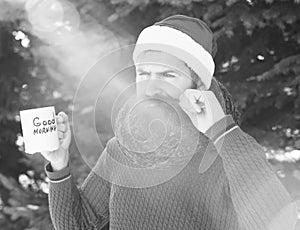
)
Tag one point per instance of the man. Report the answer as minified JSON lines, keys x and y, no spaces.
{"x":178,"y":159}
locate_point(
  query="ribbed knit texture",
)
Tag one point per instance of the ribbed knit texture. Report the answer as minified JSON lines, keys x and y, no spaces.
{"x":239,"y":191}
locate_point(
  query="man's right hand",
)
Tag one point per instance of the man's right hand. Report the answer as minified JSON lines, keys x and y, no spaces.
{"x":59,"y":158}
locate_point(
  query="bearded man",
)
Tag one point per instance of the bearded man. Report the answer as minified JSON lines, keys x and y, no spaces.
{"x":178,"y":159}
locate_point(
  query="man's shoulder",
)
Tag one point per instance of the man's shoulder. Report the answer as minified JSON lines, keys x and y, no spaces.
{"x":112,"y":149}
{"x":111,"y":144}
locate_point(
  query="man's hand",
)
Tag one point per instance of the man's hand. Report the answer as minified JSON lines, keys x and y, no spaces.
{"x":59,"y":158}
{"x":202,"y":107}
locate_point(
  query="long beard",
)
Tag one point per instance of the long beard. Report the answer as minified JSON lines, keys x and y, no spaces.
{"x":156,"y":132}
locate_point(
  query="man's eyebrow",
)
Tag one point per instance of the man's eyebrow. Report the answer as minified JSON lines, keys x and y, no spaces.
{"x":163,"y":72}
{"x":141,"y":70}
{"x":168,"y":71}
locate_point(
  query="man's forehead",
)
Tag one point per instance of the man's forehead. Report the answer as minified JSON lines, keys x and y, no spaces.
{"x":160,"y":61}
{"x":155,"y":67}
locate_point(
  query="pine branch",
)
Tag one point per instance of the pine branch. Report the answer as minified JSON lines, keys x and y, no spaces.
{"x":283,"y":67}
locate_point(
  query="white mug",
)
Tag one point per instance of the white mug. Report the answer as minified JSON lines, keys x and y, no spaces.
{"x":39,"y":129}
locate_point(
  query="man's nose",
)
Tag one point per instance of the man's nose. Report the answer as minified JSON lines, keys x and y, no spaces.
{"x":153,"y":87}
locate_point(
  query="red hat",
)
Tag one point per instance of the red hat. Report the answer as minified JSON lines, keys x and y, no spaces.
{"x":187,"y":38}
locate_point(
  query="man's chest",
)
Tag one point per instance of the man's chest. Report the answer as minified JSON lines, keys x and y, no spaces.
{"x":186,"y":198}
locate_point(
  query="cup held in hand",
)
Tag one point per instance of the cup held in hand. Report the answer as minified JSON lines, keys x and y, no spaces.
{"x":39,"y":129}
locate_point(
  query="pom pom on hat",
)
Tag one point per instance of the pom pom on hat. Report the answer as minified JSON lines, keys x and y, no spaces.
{"x":187,"y":38}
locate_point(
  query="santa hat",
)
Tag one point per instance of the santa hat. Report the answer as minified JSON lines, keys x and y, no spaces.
{"x":187,"y":38}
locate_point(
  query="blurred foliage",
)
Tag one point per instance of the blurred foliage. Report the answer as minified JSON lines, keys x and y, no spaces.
{"x":27,"y":205}
{"x":24,"y":84}
{"x":258,"y":59}
{"x":258,"y":56}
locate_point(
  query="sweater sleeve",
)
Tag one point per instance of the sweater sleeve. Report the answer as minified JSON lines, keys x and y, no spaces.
{"x":78,"y":208}
{"x":259,"y":198}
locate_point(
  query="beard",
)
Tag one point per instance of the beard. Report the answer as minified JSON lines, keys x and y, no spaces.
{"x":156,"y":132}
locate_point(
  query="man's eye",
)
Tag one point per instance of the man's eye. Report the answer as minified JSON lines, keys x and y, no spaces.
{"x":142,"y":74}
{"x":168,"y":75}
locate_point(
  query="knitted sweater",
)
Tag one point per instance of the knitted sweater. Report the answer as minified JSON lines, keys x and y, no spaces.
{"x":239,"y":191}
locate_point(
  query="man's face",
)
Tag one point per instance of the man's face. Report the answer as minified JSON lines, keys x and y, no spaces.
{"x":161,"y":74}
{"x":153,"y":128}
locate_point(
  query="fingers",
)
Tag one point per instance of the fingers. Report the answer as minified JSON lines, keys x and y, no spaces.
{"x":62,"y":125}
{"x":60,"y":134}
{"x":192,"y":101}
{"x":62,"y":117}
{"x":59,"y":119}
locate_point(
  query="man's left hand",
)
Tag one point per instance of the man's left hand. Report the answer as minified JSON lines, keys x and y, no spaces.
{"x":202,"y":107}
